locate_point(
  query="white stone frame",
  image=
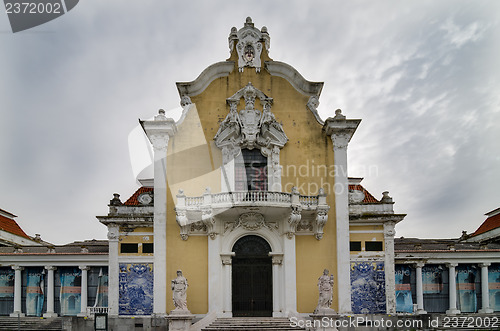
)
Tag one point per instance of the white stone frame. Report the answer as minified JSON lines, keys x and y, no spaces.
{"x":283,"y":269}
{"x":237,"y":132}
{"x":273,"y":169}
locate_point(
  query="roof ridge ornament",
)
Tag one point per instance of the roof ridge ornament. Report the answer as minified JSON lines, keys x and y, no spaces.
{"x":248,"y":42}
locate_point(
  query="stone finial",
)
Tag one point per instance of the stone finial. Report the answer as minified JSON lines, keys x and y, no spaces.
{"x":208,"y":190}
{"x":248,"y":21}
{"x":116,"y":200}
{"x":161,"y":115}
{"x":386,"y":198}
{"x":338,"y":115}
{"x":181,"y":192}
{"x":37,"y":237}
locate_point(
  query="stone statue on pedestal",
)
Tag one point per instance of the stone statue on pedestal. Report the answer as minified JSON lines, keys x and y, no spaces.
{"x":325,"y":287}
{"x":179,"y":288}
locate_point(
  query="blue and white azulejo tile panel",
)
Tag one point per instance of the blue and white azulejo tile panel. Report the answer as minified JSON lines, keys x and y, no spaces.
{"x":368,"y":287}
{"x":136,"y":289}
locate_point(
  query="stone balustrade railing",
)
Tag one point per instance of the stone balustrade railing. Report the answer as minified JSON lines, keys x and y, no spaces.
{"x":246,"y":197}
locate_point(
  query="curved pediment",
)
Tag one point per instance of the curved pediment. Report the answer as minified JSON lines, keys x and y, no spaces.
{"x":286,"y":71}
{"x":197,"y":86}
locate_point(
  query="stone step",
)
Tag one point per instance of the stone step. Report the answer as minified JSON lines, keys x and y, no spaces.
{"x":251,"y":324}
{"x":30,"y":323}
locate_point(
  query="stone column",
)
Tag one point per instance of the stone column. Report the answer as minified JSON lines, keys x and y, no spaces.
{"x":50,"y":292}
{"x":341,"y":131}
{"x":114,"y":270}
{"x":83,"y":291}
{"x":17,"y":291}
{"x":420,"y":289}
{"x":159,"y":131}
{"x":390,"y":271}
{"x":277,"y":260}
{"x":452,"y":289}
{"x":485,"y":291}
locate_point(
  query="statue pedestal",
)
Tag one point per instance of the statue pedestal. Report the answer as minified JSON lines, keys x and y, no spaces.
{"x":179,"y":320}
{"x":324,"y":319}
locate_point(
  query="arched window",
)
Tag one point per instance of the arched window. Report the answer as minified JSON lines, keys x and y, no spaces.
{"x":251,"y":171}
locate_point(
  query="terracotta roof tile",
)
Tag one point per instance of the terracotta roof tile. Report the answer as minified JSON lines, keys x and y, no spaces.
{"x":132,"y":201}
{"x":9,"y":225}
{"x":368,"y":197}
{"x":491,"y":223}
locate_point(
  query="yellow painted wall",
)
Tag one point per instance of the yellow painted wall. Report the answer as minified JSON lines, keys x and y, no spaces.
{"x":190,"y":256}
{"x":307,"y":151}
{"x":130,"y":237}
{"x":378,"y":227}
{"x":363,"y":237}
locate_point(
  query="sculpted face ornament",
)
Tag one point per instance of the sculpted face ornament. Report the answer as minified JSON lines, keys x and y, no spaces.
{"x":249,"y":53}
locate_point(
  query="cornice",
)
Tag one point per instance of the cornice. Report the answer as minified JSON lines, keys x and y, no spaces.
{"x":211,"y":73}
{"x":286,"y":71}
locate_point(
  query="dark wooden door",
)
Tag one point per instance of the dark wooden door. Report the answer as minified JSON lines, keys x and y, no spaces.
{"x":252,"y":278}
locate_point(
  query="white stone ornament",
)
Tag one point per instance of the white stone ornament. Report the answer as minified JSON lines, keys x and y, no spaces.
{"x":249,"y":128}
{"x":252,"y":221}
{"x":145,"y":199}
{"x":356,"y":196}
{"x":249,"y":45}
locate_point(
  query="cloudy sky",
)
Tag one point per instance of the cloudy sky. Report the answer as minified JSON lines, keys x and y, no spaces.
{"x":423,"y":75}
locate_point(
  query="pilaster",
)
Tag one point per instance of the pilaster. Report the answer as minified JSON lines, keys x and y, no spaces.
{"x":113,"y":286}
{"x":226,"y":283}
{"x":277,"y":261}
{"x":341,"y":131}
{"x":159,"y":132}
{"x":390,"y":272}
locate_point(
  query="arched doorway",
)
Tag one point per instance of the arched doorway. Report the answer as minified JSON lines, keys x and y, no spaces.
{"x":252,"y":277}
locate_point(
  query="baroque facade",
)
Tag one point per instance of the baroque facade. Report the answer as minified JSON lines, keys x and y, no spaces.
{"x":250,"y":161}
{"x":252,"y":201}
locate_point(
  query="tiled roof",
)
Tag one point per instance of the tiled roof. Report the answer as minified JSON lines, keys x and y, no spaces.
{"x":368,"y":197}
{"x":92,"y":247}
{"x":435,"y":245}
{"x":491,"y":223}
{"x":6,"y":212}
{"x":9,"y":225}
{"x":132,"y":201}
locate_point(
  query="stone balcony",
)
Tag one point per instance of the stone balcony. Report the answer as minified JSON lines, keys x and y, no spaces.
{"x":289,"y":213}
